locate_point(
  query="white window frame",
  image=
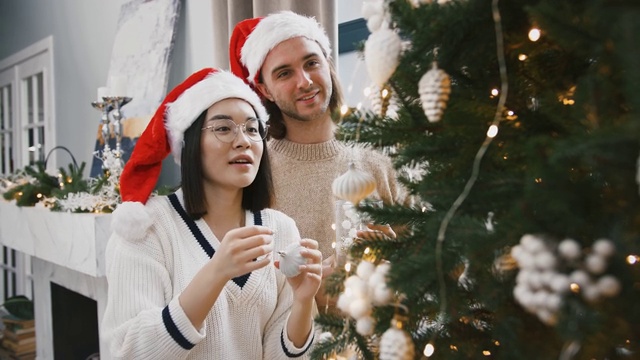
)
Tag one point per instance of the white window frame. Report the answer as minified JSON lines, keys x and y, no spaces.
{"x":34,"y":59}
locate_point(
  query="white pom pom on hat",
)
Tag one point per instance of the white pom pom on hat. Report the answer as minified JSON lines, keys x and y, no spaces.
{"x":164,"y":135}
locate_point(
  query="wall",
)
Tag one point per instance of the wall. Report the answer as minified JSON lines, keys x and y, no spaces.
{"x":83,"y":33}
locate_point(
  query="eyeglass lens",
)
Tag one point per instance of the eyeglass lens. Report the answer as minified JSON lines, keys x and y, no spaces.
{"x":226,"y":130}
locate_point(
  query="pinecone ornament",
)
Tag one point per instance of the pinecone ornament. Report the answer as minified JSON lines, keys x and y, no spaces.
{"x":396,"y":344}
{"x":434,"y":89}
{"x":382,"y":54}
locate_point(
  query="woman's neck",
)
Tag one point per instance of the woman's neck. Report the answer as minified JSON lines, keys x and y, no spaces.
{"x":224,"y":211}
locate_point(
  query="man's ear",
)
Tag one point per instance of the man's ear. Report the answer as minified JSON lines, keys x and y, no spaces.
{"x":262,"y":88}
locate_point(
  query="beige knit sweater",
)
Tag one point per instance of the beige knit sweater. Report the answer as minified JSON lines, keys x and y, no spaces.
{"x":303,"y":175}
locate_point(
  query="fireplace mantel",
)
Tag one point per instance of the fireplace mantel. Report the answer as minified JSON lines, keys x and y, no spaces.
{"x":67,"y":249}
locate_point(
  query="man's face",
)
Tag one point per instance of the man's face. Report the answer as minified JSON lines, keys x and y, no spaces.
{"x":296,"y":77}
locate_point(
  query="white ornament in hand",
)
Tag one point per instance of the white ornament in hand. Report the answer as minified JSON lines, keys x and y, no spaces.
{"x":291,"y":259}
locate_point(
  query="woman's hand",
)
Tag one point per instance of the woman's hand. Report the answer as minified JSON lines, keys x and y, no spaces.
{"x":306,"y":284}
{"x":243,"y":250}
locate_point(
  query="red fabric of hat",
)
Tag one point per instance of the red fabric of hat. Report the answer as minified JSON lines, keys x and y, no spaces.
{"x":238,"y":38}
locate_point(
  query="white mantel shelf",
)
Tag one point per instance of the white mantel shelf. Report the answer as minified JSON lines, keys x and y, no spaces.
{"x":76,"y":241}
{"x":67,"y":249}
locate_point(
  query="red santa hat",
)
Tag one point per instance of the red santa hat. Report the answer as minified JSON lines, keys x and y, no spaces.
{"x":164,"y":134}
{"x":252,"y":39}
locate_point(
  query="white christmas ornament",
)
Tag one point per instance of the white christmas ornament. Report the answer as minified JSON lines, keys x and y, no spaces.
{"x":291,"y":259}
{"x":382,"y":54}
{"x":434,"y":89}
{"x":354,"y":185}
{"x":396,"y":344}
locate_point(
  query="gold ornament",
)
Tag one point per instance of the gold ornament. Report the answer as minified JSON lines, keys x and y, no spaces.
{"x":434,"y":89}
{"x":354,"y":185}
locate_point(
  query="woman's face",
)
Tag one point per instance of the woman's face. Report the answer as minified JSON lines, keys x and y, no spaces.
{"x":231,"y":156}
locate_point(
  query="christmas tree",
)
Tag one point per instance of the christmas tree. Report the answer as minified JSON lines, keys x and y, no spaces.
{"x":515,"y":127}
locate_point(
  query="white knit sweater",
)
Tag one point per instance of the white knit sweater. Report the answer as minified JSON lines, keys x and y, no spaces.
{"x":144,"y":320}
{"x":303,"y":175}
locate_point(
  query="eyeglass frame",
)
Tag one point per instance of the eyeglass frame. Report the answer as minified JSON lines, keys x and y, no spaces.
{"x":244,"y":129}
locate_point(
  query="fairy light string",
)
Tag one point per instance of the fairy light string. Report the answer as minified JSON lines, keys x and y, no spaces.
{"x":491,"y":133}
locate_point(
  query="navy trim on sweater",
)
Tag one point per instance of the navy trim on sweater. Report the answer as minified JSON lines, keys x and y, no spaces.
{"x":290,"y":354}
{"x":173,"y":330}
{"x":202,"y":240}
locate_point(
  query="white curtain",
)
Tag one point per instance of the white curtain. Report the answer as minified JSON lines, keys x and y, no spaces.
{"x":227,"y":13}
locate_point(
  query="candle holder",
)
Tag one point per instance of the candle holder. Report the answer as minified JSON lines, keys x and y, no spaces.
{"x":104,"y":107}
{"x":117,"y":102}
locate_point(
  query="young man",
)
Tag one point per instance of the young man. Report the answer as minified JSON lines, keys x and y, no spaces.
{"x":286,"y":57}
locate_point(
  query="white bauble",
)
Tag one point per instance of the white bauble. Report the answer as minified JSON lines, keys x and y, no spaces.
{"x":561,"y":284}
{"x":365,"y":270}
{"x":523,"y":277}
{"x":608,"y":286}
{"x":569,"y":249}
{"x":604,"y":247}
{"x":516,"y":252}
{"x":344,"y":301}
{"x":382,"y":54}
{"x":291,"y":259}
{"x":596,"y":264}
{"x":365,"y":325}
{"x":354,"y":185}
{"x":546,"y":277}
{"x":360,"y":307}
{"x":580,"y":277}
{"x":526,"y":261}
{"x":553,"y":302}
{"x":383,"y":268}
{"x":545,"y":260}
{"x":382,"y":295}
{"x":532,"y":244}
{"x":396,"y":344}
{"x":535,"y":280}
{"x":356,"y":285}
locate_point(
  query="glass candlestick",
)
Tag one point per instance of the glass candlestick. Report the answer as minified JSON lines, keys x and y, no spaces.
{"x":105,"y":107}
{"x":117,"y":102}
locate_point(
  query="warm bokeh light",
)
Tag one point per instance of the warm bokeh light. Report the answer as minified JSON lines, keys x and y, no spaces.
{"x":534,"y":34}
{"x":429,"y":350}
{"x":522,"y":57}
{"x":493,"y":131}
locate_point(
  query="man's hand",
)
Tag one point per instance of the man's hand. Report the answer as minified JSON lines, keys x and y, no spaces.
{"x":374,"y":232}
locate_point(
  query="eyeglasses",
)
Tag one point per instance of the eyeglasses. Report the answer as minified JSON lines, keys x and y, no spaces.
{"x":226,"y":130}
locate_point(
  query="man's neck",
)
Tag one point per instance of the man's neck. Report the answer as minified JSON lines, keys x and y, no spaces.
{"x":310,"y":132}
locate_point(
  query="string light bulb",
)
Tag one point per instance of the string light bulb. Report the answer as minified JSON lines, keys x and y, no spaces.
{"x":522,"y":57}
{"x":534,"y":34}
{"x":632,"y":259}
{"x":429,"y":350}
{"x":493,"y":131}
{"x":343,"y":109}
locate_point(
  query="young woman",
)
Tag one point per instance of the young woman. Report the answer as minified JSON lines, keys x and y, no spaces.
{"x":191,"y":275}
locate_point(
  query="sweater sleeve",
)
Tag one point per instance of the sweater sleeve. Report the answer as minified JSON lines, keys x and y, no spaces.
{"x":142,"y":320}
{"x":277,"y":344}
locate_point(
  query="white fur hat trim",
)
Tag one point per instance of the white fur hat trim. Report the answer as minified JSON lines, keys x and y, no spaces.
{"x":274,"y":29}
{"x":217,"y":86}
